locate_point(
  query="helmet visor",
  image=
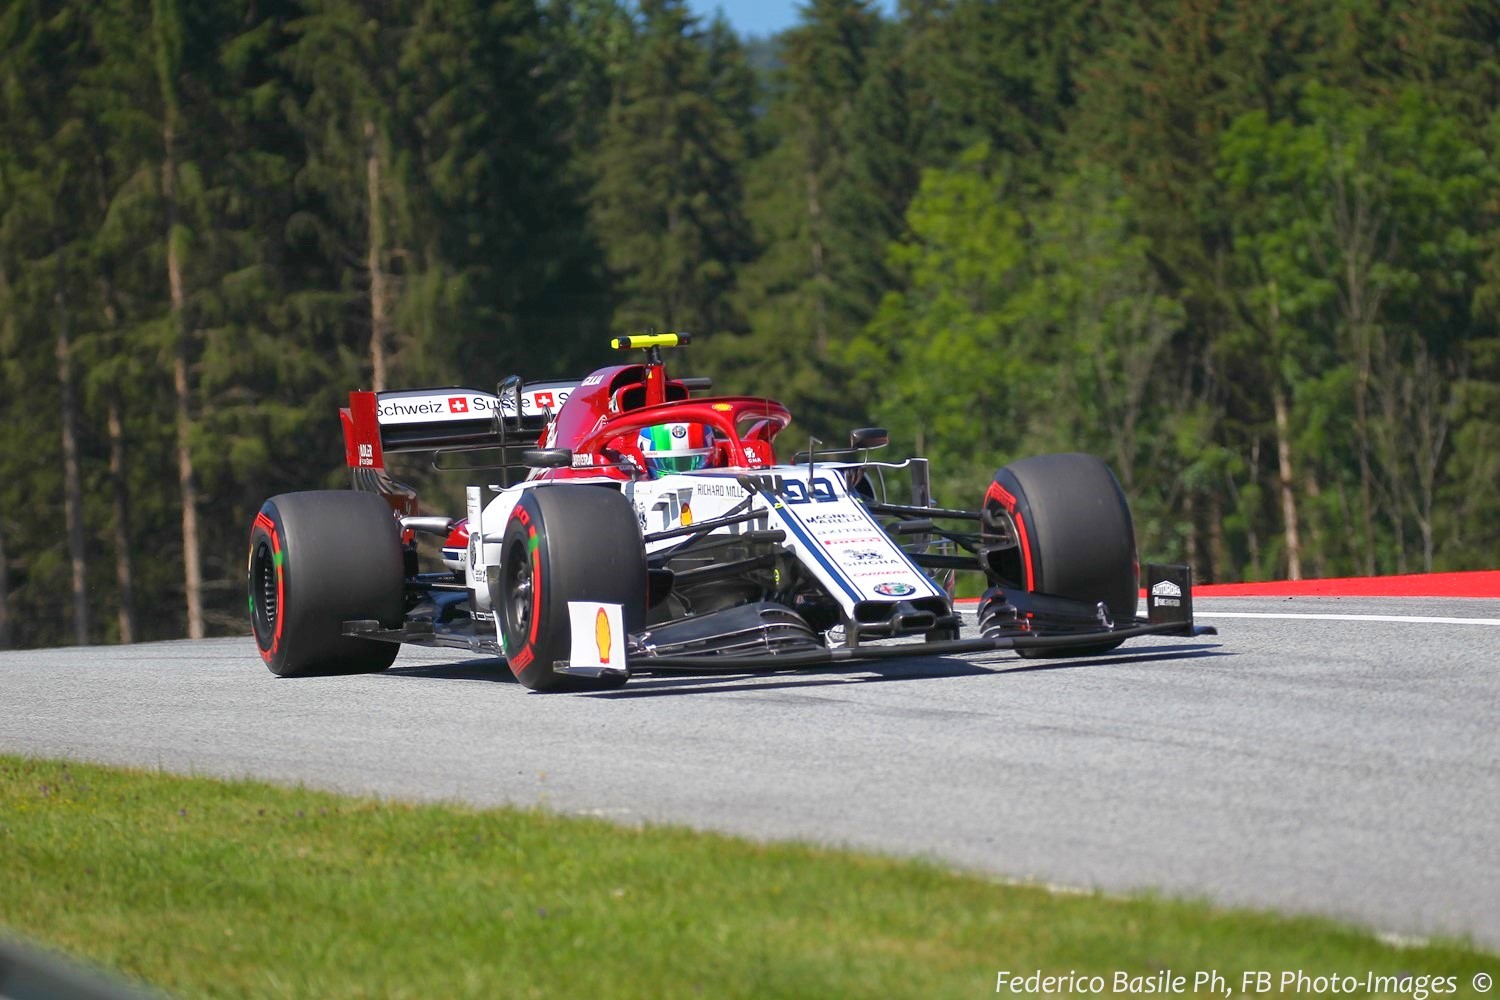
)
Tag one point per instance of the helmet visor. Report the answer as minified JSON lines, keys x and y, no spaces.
{"x":677,"y":461}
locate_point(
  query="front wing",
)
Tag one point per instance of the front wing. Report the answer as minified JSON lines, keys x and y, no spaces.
{"x":1169,"y":606}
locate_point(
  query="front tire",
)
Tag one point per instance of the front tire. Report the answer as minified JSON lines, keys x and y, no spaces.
{"x":567,"y":542}
{"x":1066,"y":531}
{"x":317,"y":560}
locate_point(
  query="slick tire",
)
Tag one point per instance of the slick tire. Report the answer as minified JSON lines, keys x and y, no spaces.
{"x":317,"y":560}
{"x":1075,"y":537}
{"x":564,"y":543}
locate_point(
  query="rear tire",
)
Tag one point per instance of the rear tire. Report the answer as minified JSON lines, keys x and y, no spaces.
{"x":317,"y":560}
{"x":1074,"y":534}
{"x":567,"y":542}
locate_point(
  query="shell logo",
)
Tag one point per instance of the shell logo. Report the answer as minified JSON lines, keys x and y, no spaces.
{"x":687,"y":515}
{"x":602,"y":635}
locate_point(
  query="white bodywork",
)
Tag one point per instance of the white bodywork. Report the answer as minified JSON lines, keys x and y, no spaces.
{"x":829,"y":531}
{"x":406,"y":407}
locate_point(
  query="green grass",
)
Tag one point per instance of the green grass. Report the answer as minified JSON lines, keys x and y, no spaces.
{"x":244,"y":889}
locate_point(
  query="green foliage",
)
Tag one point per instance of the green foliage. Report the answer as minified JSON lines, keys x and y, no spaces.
{"x":810,"y":289}
{"x":1043,"y":315}
{"x":1247,"y":252}
{"x":1355,"y":268}
{"x":668,"y":203}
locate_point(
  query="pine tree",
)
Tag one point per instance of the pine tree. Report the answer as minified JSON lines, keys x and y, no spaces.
{"x":804,"y":297}
{"x":43,"y":197}
{"x":1004,"y":74}
{"x":667,"y":212}
{"x":343,"y":55}
{"x":497,"y":223}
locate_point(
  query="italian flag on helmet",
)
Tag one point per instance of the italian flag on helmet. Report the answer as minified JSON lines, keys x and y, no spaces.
{"x":681,"y":447}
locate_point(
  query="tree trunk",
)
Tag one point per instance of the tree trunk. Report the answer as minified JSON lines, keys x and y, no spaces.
{"x":124,"y":568}
{"x":1433,"y":404}
{"x":1358,"y":230}
{"x":8,"y":331}
{"x":819,"y":268}
{"x":1318,"y":554}
{"x":192,"y":567}
{"x":1288,"y":495}
{"x":1284,"y":448}
{"x":379,"y":294}
{"x":72,"y":478}
{"x":4,"y":591}
{"x":1252,"y":537}
{"x":1390,"y":431}
{"x":1190,"y":543}
{"x":1218,"y":551}
{"x":124,"y":575}
{"x":1362,"y":433}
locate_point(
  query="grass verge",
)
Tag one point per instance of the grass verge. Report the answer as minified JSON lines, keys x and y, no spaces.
{"x":210,"y":888}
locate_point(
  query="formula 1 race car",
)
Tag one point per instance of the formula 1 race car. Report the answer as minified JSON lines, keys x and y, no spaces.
{"x":652,"y":529}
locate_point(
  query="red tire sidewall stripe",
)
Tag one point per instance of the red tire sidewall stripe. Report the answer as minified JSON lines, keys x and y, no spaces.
{"x":534,"y":553}
{"x":1025,"y":549}
{"x":1006,"y":499}
{"x":526,"y":656}
{"x":267,"y":525}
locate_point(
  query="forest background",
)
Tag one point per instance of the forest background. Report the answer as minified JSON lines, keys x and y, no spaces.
{"x":1247,"y":251}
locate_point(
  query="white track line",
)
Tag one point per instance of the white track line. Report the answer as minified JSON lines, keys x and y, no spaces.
{"x":1348,"y":618}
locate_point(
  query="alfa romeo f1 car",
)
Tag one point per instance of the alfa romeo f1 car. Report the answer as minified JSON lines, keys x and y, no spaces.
{"x":651,"y":528}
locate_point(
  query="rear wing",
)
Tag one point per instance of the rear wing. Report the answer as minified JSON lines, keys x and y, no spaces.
{"x":446,"y":419}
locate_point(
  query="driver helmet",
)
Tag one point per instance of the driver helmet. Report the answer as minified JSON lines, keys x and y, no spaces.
{"x":671,"y":448}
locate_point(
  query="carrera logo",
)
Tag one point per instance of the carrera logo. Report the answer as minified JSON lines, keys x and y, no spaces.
{"x":1166,"y":588}
{"x":458,"y":404}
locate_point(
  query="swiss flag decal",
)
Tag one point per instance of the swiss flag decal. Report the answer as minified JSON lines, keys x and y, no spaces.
{"x":544,"y":400}
{"x":458,"y":404}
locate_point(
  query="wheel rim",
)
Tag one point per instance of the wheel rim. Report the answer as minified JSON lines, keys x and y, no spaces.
{"x":263,"y":593}
{"x":518,"y":595}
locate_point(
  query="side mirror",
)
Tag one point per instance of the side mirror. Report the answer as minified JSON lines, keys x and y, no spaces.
{"x":509,"y":393}
{"x":507,"y":411}
{"x":548,"y":458}
{"x":869,"y":437}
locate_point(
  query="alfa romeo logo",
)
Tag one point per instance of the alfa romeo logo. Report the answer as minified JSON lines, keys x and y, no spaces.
{"x":894,"y":588}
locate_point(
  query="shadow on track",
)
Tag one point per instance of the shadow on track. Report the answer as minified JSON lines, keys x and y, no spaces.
{"x":478,"y":669}
{"x":876,"y":672}
{"x":654,"y":685}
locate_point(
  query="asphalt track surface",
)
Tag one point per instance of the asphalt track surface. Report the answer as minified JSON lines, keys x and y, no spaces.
{"x":1337,"y":765}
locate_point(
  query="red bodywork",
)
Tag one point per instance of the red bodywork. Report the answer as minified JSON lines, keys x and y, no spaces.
{"x":608,"y":411}
{"x":605,"y":413}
